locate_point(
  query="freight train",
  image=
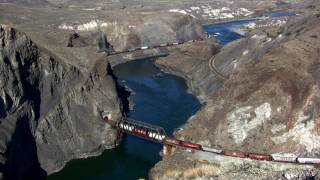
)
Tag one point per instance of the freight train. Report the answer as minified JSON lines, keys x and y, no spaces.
{"x":162,"y":138}
{"x":277,"y":157}
{"x":155,"y":46}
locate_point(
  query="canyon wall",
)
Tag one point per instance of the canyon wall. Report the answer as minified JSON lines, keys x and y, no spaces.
{"x":50,"y":111}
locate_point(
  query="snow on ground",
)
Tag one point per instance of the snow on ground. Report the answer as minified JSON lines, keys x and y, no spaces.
{"x":88,"y":26}
{"x":181,"y":11}
{"x":206,"y":11}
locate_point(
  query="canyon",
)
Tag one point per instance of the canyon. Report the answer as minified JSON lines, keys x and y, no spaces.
{"x":57,"y":84}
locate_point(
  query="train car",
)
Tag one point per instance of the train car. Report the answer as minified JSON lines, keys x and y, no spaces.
{"x":284,"y":157}
{"x":262,"y":157}
{"x":172,"y":141}
{"x":308,"y":160}
{"x":144,"y":47}
{"x":131,"y":49}
{"x":235,"y":153}
{"x":175,"y":43}
{"x":217,"y":151}
{"x":140,"y":131}
{"x":163,"y":45}
{"x":191,"y":145}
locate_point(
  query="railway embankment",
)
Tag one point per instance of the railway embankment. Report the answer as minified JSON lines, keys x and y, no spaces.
{"x":268,"y":104}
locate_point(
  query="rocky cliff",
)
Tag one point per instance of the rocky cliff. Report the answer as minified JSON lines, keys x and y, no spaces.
{"x":139,"y":30}
{"x":50,"y":112}
{"x":268,"y":104}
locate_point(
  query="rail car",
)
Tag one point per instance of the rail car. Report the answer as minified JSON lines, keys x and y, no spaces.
{"x":308,"y":160}
{"x":261,"y":157}
{"x":172,"y":141}
{"x":132,"y":49}
{"x":140,"y":131}
{"x":239,"y":154}
{"x":217,"y":151}
{"x":163,"y":45}
{"x":181,"y":143}
{"x":284,"y":157}
{"x":116,"y":52}
{"x":191,"y":145}
{"x":144,"y":47}
{"x":175,"y":43}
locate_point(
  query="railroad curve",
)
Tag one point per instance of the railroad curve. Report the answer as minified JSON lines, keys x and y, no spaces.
{"x":214,"y":69}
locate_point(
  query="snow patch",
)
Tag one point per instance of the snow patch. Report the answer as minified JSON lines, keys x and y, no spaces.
{"x":214,"y":13}
{"x":88,"y":26}
{"x":242,"y":121}
{"x":181,"y":11}
{"x":195,"y":8}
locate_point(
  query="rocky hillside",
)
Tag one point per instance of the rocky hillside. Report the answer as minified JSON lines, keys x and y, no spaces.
{"x":269,"y":103}
{"x":50,"y":112}
{"x":140,"y":30}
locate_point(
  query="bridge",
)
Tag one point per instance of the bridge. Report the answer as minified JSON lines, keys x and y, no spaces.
{"x":157,"y":134}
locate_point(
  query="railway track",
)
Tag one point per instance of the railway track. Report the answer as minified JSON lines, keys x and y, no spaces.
{"x":214,"y":69}
{"x":157,"y":134}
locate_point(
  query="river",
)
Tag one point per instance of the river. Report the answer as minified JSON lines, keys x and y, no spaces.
{"x":161,"y":99}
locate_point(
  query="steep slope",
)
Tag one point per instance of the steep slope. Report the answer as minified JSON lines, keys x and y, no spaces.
{"x":50,"y":111}
{"x":269,"y":104}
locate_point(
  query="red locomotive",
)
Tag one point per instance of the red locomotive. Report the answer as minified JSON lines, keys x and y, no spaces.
{"x":235,"y":153}
{"x":261,"y":157}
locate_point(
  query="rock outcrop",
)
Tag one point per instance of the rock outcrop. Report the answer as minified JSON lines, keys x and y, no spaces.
{"x":50,"y":111}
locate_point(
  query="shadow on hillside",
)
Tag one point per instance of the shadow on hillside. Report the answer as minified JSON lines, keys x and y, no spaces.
{"x":22,"y":159}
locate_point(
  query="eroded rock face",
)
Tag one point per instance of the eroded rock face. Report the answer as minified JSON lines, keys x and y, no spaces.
{"x":50,"y":111}
{"x":140,"y":30}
